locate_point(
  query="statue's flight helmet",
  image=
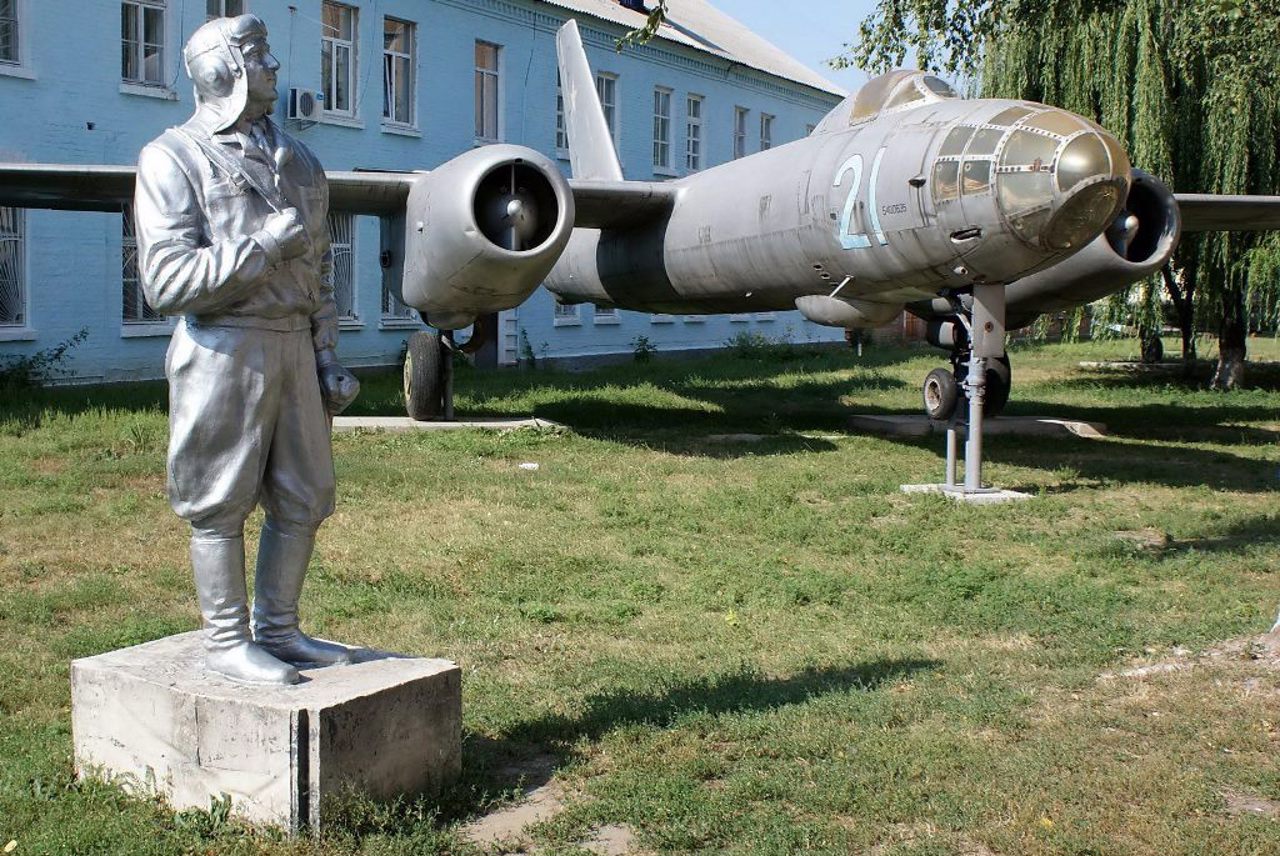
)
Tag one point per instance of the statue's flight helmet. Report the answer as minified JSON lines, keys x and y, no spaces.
{"x":215,"y":63}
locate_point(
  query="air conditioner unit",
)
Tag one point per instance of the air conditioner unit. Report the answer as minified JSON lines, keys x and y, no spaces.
{"x":304,"y":104}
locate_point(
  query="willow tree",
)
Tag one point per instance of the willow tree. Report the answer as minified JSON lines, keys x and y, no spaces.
{"x":1191,"y":87}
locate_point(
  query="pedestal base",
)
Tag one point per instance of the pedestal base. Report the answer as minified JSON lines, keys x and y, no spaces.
{"x":982,"y":496}
{"x":153,"y":719}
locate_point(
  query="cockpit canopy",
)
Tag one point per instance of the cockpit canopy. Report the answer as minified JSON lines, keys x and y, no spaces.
{"x":890,"y":91}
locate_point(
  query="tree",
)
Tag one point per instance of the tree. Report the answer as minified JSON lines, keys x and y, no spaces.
{"x":1190,"y":87}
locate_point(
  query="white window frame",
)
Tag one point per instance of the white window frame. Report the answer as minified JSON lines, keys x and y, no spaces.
{"x":662,"y":161}
{"x":566,"y":314}
{"x":482,"y":75}
{"x":764,"y":317}
{"x":766,"y":131}
{"x":143,"y":321}
{"x":222,"y":9}
{"x":391,"y":84}
{"x":335,"y":43}
{"x":662,"y":318}
{"x":607,"y":90}
{"x":740,"y":115}
{"x":740,"y":317}
{"x":18,"y":66}
{"x":16,"y":235}
{"x":695,"y":319}
{"x":342,"y":241}
{"x":562,"y":125}
{"x":603,"y":316}
{"x":695,"y":141}
{"x":137,"y":9}
{"x":809,"y":129}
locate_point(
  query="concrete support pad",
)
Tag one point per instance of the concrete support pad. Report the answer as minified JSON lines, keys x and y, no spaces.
{"x":1031,"y":426}
{"x":151,"y":718}
{"x":404,"y":423}
{"x":984,"y":496}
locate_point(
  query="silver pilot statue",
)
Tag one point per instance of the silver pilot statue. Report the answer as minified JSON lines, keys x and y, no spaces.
{"x":231,"y":218}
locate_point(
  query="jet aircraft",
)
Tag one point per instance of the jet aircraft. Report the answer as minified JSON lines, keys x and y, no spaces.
{"x":966,"y":212}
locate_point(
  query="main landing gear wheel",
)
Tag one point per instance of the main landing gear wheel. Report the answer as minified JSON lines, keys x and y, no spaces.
{"x":944,"y":390}
{"x":1152,"y":350}
{"x":424,"y":376}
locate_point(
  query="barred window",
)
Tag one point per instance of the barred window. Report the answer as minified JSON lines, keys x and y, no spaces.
{"x":562,"y":131}
{"x":13,"y":284}
{"x":766,"y":132}
{"x":9,"y":47}
{"x":134,"y":308}
{"x":342,"y":242}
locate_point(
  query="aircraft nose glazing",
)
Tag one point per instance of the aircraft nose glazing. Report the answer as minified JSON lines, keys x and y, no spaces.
{"x":1060,"y":179}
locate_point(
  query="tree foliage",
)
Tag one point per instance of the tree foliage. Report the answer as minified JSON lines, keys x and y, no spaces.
{"x":1190,"y":87}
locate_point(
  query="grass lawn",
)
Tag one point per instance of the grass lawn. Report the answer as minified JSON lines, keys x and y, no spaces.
{"x":709,"y":616}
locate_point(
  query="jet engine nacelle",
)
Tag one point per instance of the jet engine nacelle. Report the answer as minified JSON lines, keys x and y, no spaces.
{"x":1138,"y":243}
{"x":481,"y":232}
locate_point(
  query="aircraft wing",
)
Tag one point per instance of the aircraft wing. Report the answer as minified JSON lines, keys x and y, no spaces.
{"x":1206,"y":212}
{"x":620,"y":204}
{"x":77,"y":187}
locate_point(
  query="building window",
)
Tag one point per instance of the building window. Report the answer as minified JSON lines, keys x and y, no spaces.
{"x":9,"y":31}
{"x":809,"y":129}
{"x":13,"y":285}
{"x":693,"y":133}
{"x":342,"y":242}
{"x":488,"y":91}
{"x":567,"y":314}
{"x":740,"y":131}
{"x":338,"y":58}
{"x":606,"y":315}
{"x":398,"y":49}
{"x":395,"y":311}
{"x":224,"y":8}
{"x":134,"y":308}
{"x":607,"y":89}
{"x":766,"y":132}
{"x":562,"y":130}
{"x":142,"y":42}
{"x":661,"y":128}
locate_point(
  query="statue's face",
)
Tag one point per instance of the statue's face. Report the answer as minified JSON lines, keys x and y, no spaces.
{"x":260,"y":69}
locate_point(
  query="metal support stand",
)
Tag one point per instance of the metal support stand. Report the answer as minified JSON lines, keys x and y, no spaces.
{"x":986,"y":342}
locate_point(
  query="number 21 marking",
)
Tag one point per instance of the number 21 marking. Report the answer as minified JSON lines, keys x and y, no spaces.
{"x":859,"y":241}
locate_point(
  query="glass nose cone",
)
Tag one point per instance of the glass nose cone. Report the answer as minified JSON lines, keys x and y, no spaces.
{"x":1062,"y":179}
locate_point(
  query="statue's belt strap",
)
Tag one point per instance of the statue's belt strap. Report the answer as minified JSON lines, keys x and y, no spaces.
{"x":288,"y":324}
{"x":234,"y":170}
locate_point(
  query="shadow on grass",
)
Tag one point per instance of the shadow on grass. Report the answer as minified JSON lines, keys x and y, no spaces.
{"x":527,"y":757}
{"x":1257,"y":532}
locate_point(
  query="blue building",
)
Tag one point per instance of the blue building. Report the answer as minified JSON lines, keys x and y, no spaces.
{"x":371,"y":84}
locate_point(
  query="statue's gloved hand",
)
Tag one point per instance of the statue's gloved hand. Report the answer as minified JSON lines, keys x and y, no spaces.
{"x":338,"y":385}
{"x":289,"y":233}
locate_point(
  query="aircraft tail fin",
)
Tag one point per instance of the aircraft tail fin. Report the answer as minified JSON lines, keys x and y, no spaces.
{"x":591,"y":151}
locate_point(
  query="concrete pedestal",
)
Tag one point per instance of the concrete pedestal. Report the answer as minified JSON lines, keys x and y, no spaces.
{"x":153,"y":719}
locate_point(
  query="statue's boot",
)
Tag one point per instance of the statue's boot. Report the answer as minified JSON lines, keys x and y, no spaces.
{"x":230,"y":651}
{"x":282,"y":564}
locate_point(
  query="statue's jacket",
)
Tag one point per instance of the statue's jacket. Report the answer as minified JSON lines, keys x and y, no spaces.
{"x":202,"y":249}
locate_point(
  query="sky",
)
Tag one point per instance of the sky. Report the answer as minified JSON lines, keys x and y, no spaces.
{"x":809,"y":30}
